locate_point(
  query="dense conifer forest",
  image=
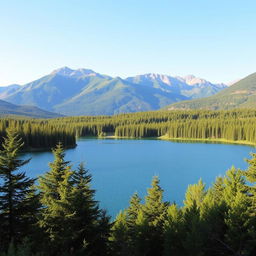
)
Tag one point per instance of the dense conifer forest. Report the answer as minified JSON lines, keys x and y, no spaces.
{"x":231,"y":126}
{"x":58,"y":213}
{"x":38,"y":133}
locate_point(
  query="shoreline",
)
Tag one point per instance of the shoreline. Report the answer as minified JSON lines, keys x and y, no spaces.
{"x":29,"y":149}
{"x":164,"y":137}
{"x":217,"y":141}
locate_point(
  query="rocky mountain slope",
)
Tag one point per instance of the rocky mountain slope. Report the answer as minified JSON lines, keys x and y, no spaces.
{"x":241,"y":94}
{"x":85,"y":92}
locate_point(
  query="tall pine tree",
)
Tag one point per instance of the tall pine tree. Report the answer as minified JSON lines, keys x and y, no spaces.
{"x":90,"y":225}
{"x":55,"y":190}
{"x":153,"y":214}
{"x":18,"y":206}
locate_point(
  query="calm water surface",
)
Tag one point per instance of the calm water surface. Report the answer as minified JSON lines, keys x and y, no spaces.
{"x":121,"y":167}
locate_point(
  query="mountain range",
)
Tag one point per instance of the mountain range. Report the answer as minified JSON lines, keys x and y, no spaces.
{"x":86,"y":92}
{"x":241,"y":94}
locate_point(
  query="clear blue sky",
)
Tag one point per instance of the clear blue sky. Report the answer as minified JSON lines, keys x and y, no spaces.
{"x":213,"y":39}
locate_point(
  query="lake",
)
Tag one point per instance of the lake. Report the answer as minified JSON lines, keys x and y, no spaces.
{"x":122,"y":166}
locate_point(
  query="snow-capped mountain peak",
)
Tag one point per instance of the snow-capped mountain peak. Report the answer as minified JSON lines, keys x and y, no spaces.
{"x":74,"y":73}
{"x":192,"y":80}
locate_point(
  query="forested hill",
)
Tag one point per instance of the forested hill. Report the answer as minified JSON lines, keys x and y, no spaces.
{"x":240,"y":95}
{"x":7,"y":108}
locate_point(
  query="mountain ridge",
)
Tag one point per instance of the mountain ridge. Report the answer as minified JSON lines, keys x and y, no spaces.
{"x":241,"y":94}
{"x":86,"y":92}
{"x":7,"y":108}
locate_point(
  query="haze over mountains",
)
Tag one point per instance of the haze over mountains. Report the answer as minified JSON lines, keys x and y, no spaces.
{"x":241,"y":94}
{"x":85,"y":92}
{"x":7,"y":108}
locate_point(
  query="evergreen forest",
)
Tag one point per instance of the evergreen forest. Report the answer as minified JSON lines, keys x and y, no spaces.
{"x":57,"y":214}
{"x":233,"y":126}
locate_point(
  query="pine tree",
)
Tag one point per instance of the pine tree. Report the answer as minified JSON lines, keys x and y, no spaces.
{"x":154,"y":208}
{"x":193,"y":227}
{"x":195,"y":195}
{"x":90,"y":226}
{"x":17,"y":198}
{"x":142,"y":237}
{"x":119,"y":236}
{"x":237,"y":218}
{"x":238,"y":234}
{"x":193,"y":230}
{"x":133,"y":209}
{"x":132,"y":212}
{"x":213,"y":211}
{"x":173,"y":231}
{"x":217,"y":190}
{"x":250,"y":175}
{"x":154,"y":211}
{"x":234,"y":183}
{"x":55,"y":190}
{"x":124,"y":230}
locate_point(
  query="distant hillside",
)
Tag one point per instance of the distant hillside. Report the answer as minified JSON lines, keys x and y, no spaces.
{"x":85,"y":92}
{"x":240,"y":95}
{"x":7,"y":108}
{"x":7,"y":90}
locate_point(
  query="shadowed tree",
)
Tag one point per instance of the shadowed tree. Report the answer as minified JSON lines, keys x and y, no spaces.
{"x":173,"y":231}
{"x":119,"y":235}
{"x":90,"y":225}
{"x":18,"y":201}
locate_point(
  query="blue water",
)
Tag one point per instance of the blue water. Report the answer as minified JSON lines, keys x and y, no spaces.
{"x":121,"y":167}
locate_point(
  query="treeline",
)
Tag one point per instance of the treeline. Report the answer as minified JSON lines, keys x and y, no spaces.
{"x":59,"y":215}
{"x":233,"y":130}
{"x":38,"y":134}
{"x":170,"y":123}
{"x":233,"y":125}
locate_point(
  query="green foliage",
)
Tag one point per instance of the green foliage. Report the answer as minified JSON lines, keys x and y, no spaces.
{"x":38,"y":134}
{"x":195,"y":195}
{"x":61,"y":216}
{"x":233,"y":126}
{"x":155,"y":211}
{"x":173,"y":231}
{"x":194,"y":238}
{"x":154,"y":208}
{"x":133,"y":210}
{"x":142,"y":225}
{"x":17,"y":196}
{"x":70,"y":216}
{"x":88,"y":223}
{"x":55,"y":189}
{"x":119,"y":235}
{"x":250,"y":175}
